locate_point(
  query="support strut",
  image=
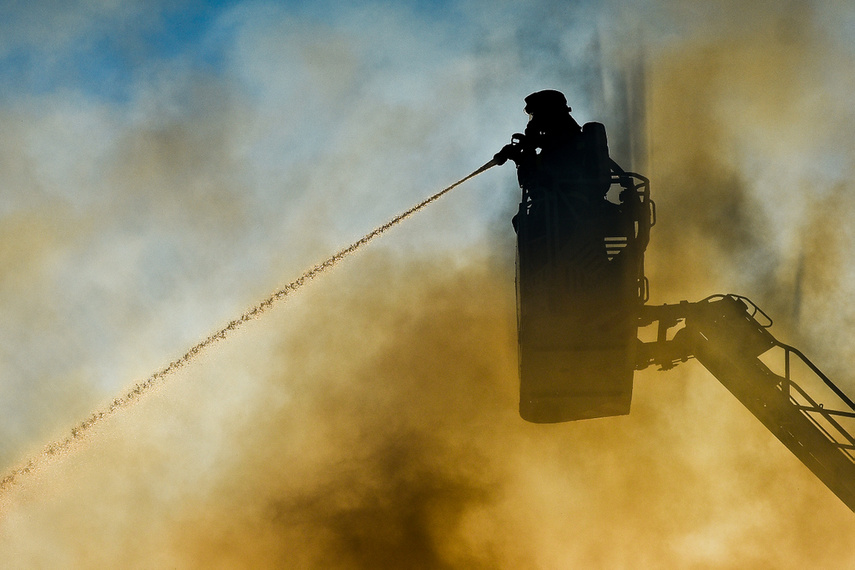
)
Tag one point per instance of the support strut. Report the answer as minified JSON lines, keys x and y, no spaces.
{"x":724,"y":334}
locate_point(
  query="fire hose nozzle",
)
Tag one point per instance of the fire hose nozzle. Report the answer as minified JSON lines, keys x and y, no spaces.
{"x":512,"y":151}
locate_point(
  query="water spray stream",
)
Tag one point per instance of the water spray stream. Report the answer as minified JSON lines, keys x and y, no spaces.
{"x":141,"y":388}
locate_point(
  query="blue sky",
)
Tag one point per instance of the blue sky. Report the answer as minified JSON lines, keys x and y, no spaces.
{"x":101,"y":53}
{"x":102,"y":59}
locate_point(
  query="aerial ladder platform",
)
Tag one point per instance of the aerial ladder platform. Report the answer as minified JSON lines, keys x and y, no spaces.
{"x":801,"y":406}
{"x":582,"y":226}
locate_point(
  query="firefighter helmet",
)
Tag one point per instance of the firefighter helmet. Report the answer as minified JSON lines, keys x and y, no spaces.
{"x":546,"y":102}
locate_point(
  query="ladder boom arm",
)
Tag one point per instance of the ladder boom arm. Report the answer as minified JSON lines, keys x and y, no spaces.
{"x":724,"y":334}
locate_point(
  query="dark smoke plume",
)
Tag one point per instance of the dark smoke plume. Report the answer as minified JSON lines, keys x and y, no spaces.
{"x":372,"y":420}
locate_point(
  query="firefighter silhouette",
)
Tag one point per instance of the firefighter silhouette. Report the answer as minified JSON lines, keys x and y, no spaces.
{"x":578,"y":268}
{"x":557,"y":156}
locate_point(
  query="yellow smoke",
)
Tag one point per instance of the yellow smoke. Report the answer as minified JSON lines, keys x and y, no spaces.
{"x":371,"y":421}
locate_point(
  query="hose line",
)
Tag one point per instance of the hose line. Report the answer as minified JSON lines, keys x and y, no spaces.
{"x":141,"y":388}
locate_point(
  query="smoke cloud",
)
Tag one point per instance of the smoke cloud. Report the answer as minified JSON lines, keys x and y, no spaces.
{"x":371,"y":421}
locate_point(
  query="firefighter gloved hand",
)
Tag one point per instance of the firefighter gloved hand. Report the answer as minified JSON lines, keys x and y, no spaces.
{"x":511,"y":151}
{"x":503,"y":155}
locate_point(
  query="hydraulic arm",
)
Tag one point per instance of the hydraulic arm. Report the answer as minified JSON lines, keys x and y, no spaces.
{"x":812,"y":417}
